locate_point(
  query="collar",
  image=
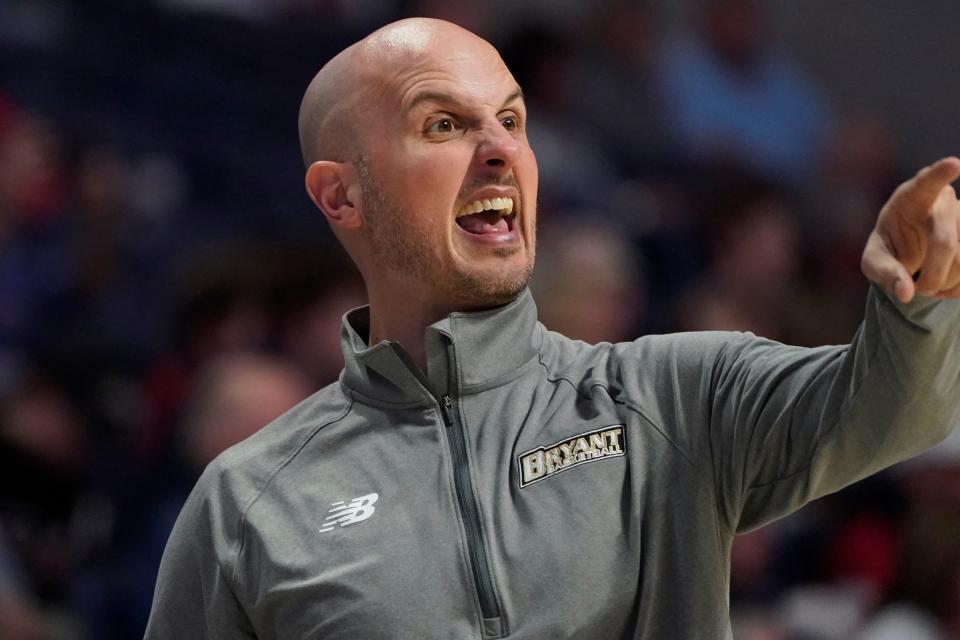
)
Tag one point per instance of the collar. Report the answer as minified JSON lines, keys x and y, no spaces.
{"x":464,"y":350}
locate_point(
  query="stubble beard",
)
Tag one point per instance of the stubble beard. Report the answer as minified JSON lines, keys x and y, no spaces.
{"x":396,"y":249}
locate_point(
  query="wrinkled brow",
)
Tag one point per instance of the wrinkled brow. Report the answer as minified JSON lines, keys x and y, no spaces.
{"x":442,"y":97}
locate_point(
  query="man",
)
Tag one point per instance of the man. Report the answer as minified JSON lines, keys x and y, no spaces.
{"x":473,"y":475}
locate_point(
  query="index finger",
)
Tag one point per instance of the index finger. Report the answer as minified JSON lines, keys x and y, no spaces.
{"x":921,"y":192}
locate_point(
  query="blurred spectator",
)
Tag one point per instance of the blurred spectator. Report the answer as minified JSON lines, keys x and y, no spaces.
{"x":221,"y":310}
{"x":729,"y":95}
{"x":232,"y":397}
{"x":925,"y":599}
{"x":587,"y":284}
{"x":250,"y":297}
{"x":754,"y":241}
{"x":821,"y":611}
{"x":21,"y":618}
{"x":616,"y":94}
{"x":751,"y":624}
{"x":758,"y":278}
{"x":117,"y":268}
{"x":573,"y":166}
{"x":752,"y":560}
{"x":45,"y":455}
{"x":865,"y":540}
{"x":34,"y":268}
{"x":897,"y":622}
{"x":312,"y":290}
{"x":21,"y":621}
{"x":857,"y":175}
{"x":32,"y":181}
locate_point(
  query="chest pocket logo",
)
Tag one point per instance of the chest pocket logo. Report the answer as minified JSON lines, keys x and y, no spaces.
{"x":543,"y":462}
{"x":342,"y":515}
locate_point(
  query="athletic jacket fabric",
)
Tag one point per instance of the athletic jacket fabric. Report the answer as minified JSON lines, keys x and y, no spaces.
{"x":531,"y":486}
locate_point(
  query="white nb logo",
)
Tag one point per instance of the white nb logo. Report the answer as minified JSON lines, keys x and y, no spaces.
{"x":342,"y":514}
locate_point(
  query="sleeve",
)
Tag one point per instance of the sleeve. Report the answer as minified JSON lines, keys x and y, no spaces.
{"x":193,"y":597}
{"x":788,"y":424}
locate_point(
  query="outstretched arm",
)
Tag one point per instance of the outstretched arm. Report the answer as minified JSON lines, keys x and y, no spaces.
{"x":791,"y":424}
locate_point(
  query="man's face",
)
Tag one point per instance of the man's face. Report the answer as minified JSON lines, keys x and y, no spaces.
{"x":449,"y":179}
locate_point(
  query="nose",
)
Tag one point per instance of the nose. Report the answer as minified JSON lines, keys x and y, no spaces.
{"x":498,"y":149}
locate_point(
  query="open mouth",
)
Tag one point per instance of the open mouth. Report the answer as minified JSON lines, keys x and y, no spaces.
{"x":488,"y":216}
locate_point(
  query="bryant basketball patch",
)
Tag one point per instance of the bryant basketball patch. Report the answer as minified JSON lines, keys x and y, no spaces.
{"x":543,"y":462}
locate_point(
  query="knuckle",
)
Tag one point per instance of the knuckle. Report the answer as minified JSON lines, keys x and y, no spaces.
{"x":945,"y":199}
{"x":872,"y":255}
{"x":944,"y":239}
{"x":941,"y":232}
{"x":874,"y":269}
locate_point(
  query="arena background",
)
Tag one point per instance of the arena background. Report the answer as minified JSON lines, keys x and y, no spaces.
{"x":166,"y":287}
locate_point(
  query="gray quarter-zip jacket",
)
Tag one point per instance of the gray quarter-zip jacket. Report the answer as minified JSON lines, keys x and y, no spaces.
{"x":532,"y":486}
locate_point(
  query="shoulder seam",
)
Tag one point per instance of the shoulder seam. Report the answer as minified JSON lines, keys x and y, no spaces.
{"x":621,"y":401}
{"x":269,"y":481}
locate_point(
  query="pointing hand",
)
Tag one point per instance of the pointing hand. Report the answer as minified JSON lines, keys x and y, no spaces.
{"x":918,"y":231}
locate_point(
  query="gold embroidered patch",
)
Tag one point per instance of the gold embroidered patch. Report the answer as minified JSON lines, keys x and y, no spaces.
{"x":543,"y":462}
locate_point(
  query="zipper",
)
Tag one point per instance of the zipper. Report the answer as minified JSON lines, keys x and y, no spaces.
{"x":463,"y":488}
{"x":470,"y":512}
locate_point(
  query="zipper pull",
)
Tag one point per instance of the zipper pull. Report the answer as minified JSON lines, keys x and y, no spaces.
{"x":445,"y":407}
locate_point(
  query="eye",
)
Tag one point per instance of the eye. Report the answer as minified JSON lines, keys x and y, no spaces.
{"x":444,"y":125}
{"x":510,"y":123}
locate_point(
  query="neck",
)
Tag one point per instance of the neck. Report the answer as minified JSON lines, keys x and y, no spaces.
{"x":400,"y":314}
{"x":405,"y":326}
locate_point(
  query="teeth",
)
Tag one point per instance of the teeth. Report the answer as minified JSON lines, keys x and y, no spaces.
{"x":503,"y":205}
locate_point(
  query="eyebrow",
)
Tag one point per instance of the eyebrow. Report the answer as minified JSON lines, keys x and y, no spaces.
{"x":447,"y":98}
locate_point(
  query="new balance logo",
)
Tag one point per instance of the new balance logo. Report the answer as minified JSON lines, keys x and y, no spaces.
{"x":342,"y":514}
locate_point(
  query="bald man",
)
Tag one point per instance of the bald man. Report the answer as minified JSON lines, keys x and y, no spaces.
{"x":473,"y":475}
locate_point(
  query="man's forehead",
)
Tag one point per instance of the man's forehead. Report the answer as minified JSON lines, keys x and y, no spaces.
{"x":429,"y":94}
{"x":455,"y":79}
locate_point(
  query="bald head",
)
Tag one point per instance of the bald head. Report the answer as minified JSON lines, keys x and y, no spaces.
{"x":325,"y":132}
{"x":355,"y":78}
{"x":401,"y":133}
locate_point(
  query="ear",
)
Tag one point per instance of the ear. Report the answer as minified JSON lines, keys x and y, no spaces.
{"x":332,"y":187}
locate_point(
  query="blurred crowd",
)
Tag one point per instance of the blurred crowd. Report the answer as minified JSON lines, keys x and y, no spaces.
{"x":166,"y":288}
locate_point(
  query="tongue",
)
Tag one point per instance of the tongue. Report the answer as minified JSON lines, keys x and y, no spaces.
{"x":485,"y":222}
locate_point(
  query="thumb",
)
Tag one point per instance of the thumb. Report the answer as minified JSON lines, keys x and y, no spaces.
{"x":880,"y":266}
